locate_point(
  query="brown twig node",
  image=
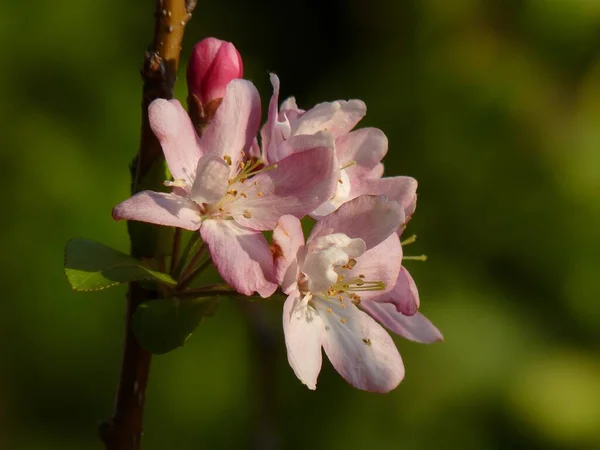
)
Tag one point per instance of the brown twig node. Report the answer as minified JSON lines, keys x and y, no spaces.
{"x":123,"y":431}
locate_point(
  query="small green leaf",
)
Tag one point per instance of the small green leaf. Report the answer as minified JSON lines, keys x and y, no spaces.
{"x":91,"y":266}
{"x":163,"y":325}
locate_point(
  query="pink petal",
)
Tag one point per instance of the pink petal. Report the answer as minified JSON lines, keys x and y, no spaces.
{"x":371,"y":218}
{"x":177,"y":136}
{"x":235,"y":124}
{"x":242,"y":256}
{"x":359,"y":348}
{"x":380,"y":263}
{"x":415,"y":328}
{"x":338,"y":118}
{"x":266,"y":133}
{"x":303,"y":329}
{"x":299,"y":184}
{"x":366,"y":147}
{"x":297,"y":144}
{"x":404,"y":296}
{"x":288,"y":245}
{"x":400,"y":189}
{"x":290,"y":105}
{"x":212,"y":178}
{"x":159,"y":208}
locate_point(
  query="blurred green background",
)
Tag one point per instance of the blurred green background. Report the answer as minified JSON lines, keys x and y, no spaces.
{"x":494,"y":106}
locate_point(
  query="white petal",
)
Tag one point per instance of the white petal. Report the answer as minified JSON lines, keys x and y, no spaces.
{"x":359,"y":348}
{"x":303,"y":329}
{"x":325,"y":254}
{"x":211,"y":179}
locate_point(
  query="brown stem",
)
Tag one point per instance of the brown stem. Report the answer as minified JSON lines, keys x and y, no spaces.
{"x":124,"y":430}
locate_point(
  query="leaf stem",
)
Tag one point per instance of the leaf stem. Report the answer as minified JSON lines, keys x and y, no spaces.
{"x":175,"y":250}
{"x":191,"y":267}
{"x":190,"y":247}
{"x":187,"y":279}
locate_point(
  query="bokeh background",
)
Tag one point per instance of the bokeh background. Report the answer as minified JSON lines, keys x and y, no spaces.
{"x":494,"y":106}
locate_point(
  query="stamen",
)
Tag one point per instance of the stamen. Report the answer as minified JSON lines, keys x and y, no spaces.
{"x":247,"y":214}
{"x":409,"y":240}
{"x":343,"y":320}
{"x":367,"y":341}
{"x":260,"y":194}
{"x":350,"y":265}
{"x":227,"y":159}
{"x":415,"y":258}
{"x":350,"y":164}
{"x":179,"y":182}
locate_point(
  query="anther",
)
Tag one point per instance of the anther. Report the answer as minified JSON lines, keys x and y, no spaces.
{"x":367,"y":341}
{"x":247,"y":214}
{"x":415,"y":258}
{"x":260,"y":194}
{"x":343,"y":320}
{"x":409,"y":240}
{"x":227,"y":159}
{"x":179,"y":182}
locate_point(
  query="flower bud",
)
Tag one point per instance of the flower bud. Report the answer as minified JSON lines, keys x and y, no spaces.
{"x":214,"y":63}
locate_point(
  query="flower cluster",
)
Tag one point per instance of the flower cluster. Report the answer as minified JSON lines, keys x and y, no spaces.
{"x":346,"y":280}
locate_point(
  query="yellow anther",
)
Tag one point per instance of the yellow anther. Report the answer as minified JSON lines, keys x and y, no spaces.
{"x":367,"y":341}
{"x":260,"y":194}
{"x":179,"y":182}
{"x":350,"y":265}
{"x":243,"y":194}
{"x":227,"y":159}
{"x":343,"y":320}
{"x":409,"y":240}
{"x":415,"y":258}
{"x":232,"y":192}
{"x":330,"y":311}
{"x":247,"y":214}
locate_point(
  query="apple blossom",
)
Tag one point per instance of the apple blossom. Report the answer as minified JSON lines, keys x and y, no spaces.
{"x":228,"y":196}
{"x":351,"y":259}
{"x":359,"y":152}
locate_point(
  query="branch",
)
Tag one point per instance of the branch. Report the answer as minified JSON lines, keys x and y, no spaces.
{"x":124,"y":430}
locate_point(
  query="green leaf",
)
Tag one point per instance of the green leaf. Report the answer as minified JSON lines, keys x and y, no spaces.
{"x":163,"y":325}
{"x":91,"y":266}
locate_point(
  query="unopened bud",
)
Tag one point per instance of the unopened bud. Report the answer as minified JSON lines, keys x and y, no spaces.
{"x":214,"y":63}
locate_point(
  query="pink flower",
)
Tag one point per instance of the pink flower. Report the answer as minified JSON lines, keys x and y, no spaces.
{"x":351,"y":259}
{"x":227,"y":196}
{"x":213,"y":64}
{"x":359,"y":153}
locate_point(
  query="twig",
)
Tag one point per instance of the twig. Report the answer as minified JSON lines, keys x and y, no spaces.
{"x":124,"y":430}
